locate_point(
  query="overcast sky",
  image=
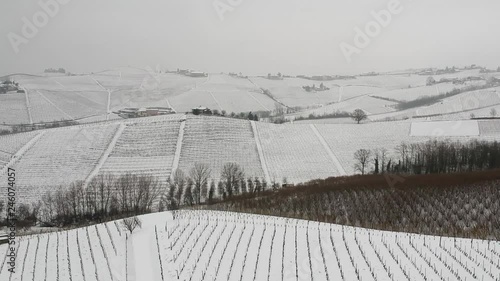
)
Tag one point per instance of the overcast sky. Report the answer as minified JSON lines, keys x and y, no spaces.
{"x":254,"y":36}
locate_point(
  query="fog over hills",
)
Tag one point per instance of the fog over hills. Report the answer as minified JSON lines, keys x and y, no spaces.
{"x":254,"y":37}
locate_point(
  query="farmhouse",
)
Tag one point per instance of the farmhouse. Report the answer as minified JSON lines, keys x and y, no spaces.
{"x":201,"y":110}
{"x":197,"y":74}
{"x":132,"y":112}
{"x":191,"y":73}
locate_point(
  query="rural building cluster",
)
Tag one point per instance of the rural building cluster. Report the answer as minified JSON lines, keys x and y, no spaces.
{"x":133,"y":112}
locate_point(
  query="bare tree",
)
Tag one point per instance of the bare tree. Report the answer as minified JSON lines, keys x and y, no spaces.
{"x":258,"y":186}
{"x":220,"y":190}
{"x":48,"y":210}
{"x":125,"y":187}
{"x":200,"y":174}
{"x":211,"y":192}
{"x":383,"y":158}
{"x":179,"y":184}
{"x":359,"y":115}
{"x":101,"y":187}
{"x":362,"y":157}
{"x":430,"y":81}
{"x":168,"y":200}
{"x":250,"y":185}
{"x":131,"y":223}
{"x":146,"y":193}
{"x":231,"y":176}
{"x":279,"y":110}
{"x":376,"y":160}
{"x":188,"y":192}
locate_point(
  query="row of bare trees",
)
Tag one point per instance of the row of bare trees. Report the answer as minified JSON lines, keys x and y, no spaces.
{"x":105,"y":197}
{"x":110,"y":197}
{"x":431,"y":157}
{"x":198,"y":186}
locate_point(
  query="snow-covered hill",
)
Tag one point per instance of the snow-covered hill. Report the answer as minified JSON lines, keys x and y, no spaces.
{"x":210,"y":245}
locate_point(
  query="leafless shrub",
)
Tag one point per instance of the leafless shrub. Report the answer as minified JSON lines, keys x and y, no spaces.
{"x":131,"y":224}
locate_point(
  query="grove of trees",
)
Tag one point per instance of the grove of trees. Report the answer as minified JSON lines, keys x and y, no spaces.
{"x":431,"y":157}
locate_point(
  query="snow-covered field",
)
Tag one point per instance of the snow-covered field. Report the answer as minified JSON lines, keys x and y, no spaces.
{"x":95,"y":96}
{"x":216,"y":141}
{"x":13,"y":109}
{"x":294,"y":152}
{"x":463,"y":102}
{"x":60,"y":157}
{"x":445,"y":128}
{"x":209,"y":245}
{"x":147,"y":148}
{"x":158,"y":145}
{"x":368,"y":104}
{"x":223,"y":92}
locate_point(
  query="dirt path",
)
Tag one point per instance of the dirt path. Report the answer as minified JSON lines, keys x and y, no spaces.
{"x":178,"y":150}
{"x":260,"y":151}
{"x":339,"y":167}
{"x":28,"y":106}
{"x":105,"y":154}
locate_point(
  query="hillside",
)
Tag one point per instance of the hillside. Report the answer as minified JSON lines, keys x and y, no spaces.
{"x":203,"y":245}
{"x":158,"y":145}
{"x":93,"y":97}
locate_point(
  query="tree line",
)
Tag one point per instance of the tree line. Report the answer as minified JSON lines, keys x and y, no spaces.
{"x":431,"y":157}
{"x":105,"y":197}
{"x":429,"y":100}
{"x":108,"y":197}
{"x":198,"y":186}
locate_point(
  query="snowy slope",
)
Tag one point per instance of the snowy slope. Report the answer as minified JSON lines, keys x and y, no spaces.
{"x":208,"y":245}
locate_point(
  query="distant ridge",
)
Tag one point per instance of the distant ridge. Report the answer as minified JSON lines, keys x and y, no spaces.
{"x":25,"y":74}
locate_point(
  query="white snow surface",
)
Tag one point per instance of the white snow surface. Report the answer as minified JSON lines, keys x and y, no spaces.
{"x":211,"y":245}
{"x":445,"y":128}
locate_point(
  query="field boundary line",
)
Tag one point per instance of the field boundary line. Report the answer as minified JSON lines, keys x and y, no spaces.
{"x":60,"y":84}
{"x":99,"y":84}
{"x":107,"y":107}
{"x":170,"y":105}
{"x":260,"y":151}
{"x":334,"y":158}
{"x":178,"y":149}
{"x":263,"y":106}
{"x":105,"y":155}
{"x":28,"y":106}
{"x":60,"y":110}
{"x":216,"y":101}
{"x":18,"y":155}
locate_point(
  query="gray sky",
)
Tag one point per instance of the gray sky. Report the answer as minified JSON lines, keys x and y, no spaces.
{"x":254,"y":36}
